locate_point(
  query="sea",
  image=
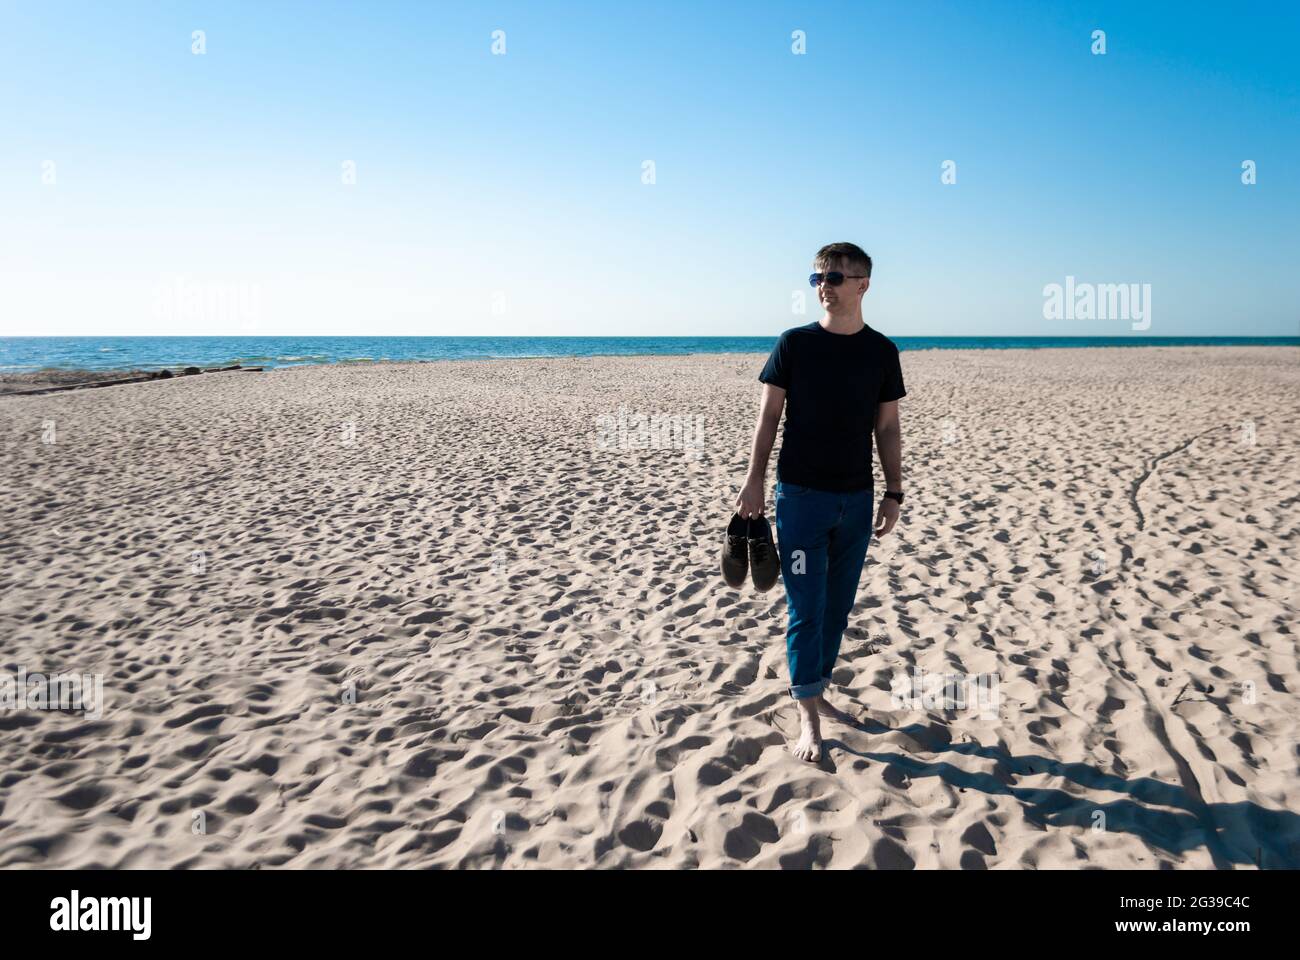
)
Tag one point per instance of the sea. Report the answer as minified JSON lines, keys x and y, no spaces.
{"x":25,"y":354}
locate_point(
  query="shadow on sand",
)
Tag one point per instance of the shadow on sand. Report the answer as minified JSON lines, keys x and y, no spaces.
{"x":1233,"y":833}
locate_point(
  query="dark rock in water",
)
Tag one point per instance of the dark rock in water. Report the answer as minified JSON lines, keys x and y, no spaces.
{"x":56,"y":380}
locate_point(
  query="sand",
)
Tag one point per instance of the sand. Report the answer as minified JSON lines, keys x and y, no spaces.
{"x":449,"y":614}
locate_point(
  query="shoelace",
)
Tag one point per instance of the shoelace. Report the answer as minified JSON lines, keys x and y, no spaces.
{"x":736,"y":546}
{"x":760,"y":551}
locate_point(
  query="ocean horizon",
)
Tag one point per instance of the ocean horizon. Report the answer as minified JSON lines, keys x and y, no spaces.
{"x":26,"y":354}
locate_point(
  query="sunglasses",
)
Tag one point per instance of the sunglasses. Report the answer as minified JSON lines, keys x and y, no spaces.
{"x":834,"y":278}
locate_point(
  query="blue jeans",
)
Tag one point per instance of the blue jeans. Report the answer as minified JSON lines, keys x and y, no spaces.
{"x":822,"y":538}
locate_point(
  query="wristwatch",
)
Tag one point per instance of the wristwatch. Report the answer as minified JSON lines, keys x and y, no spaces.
{"x":895,"y":495}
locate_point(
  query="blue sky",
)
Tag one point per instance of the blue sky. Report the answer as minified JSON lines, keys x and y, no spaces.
{"x":503,"y":194}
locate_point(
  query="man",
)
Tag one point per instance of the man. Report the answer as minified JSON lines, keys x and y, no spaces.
{"x":838,"y":381}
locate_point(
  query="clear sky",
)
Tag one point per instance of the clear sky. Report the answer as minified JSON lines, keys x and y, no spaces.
{"x":504,"y":194}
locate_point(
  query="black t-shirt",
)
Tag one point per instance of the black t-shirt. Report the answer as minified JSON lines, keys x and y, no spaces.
{"x":833,"y":383}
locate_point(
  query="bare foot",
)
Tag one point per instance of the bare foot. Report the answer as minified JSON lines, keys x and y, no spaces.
{"x":809,"y":746}
{"x":835,"y":713}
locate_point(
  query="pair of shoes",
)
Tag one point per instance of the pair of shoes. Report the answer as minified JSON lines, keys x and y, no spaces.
{"x":749,"y":548}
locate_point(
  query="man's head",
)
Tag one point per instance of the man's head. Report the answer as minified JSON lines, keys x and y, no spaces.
{"x":850,"y":260}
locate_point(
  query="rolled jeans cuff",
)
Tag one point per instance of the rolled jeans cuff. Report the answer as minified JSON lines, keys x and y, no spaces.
{"x":805,"y":690}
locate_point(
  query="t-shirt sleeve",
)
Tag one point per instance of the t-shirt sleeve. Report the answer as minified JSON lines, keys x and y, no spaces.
{"x":777,"y":369}
{"x":891,"y":388}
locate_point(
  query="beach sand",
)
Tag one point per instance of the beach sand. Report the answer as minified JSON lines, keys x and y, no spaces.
{"x":452,"y":614}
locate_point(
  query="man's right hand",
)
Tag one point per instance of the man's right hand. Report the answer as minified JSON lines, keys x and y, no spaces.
{"x":750,"y":502}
